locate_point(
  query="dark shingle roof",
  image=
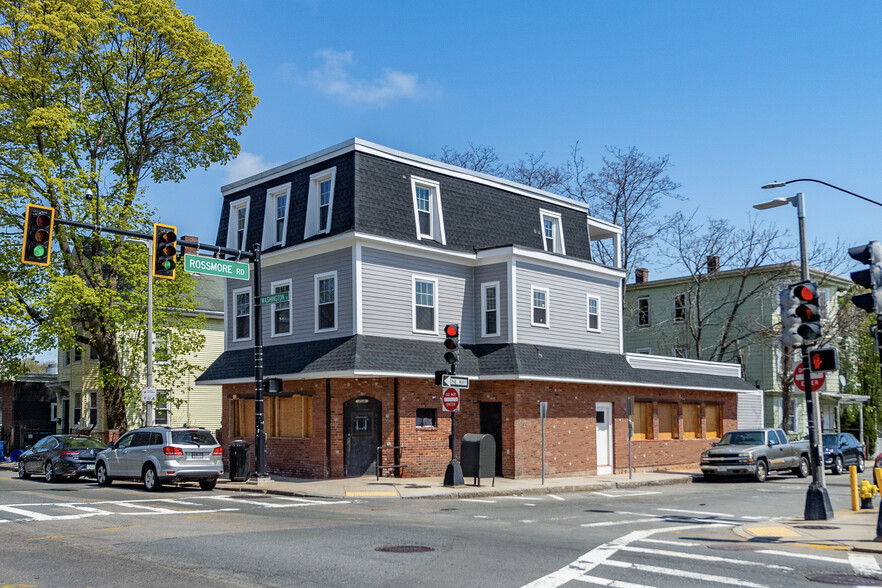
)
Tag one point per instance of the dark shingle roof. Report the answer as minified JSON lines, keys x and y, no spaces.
{"x":366,"y":355}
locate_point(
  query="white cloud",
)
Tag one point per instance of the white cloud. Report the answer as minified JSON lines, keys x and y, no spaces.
{"x":246,"y":164}
{"x":334,"y":79}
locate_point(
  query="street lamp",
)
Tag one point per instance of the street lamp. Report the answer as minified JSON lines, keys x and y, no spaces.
{"x":782,"y":184}
{"x":817,"y":500}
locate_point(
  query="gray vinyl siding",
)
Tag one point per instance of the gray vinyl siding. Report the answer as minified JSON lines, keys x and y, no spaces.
{"x":302,"y":274}
{"x":387,"y":294}
{"x":567,"y":308}
{"x":750,"y":410}
{"x":497,"y":272}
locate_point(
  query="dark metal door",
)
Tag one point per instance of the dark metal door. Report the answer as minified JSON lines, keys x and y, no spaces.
{"x":491,"y":424}
{"x":361,"y":435}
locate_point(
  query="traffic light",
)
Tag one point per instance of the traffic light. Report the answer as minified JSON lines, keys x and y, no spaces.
{"x":871,"y":278}
{"x":164,"y":249}
{"x":808,"y":311}
{"x":789,"y":321}
{"x":37,"y":234}
{"x":451,"y":344}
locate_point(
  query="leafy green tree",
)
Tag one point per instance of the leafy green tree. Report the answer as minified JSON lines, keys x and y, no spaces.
{"x":95,"y":98}
{"x":859,"y":363}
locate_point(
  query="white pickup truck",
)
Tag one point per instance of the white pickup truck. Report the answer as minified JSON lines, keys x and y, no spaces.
{"x":756,"y":452}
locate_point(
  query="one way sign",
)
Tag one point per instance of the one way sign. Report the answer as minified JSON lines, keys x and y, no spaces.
{"x":451,"y":381}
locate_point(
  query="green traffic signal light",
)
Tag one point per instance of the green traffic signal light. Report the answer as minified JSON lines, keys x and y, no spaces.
{"x":164,"y":251}
{"x":37,"y":245}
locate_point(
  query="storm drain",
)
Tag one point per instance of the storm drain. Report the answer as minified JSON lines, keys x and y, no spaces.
{"x":404,"y":548}
{"x":844,"y":580}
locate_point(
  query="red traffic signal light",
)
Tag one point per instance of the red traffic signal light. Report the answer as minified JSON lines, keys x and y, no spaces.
{"x":451,"y":343}
{"x":37,"y":234}
{"x":808,"y":310}
{"x":451,"y":331}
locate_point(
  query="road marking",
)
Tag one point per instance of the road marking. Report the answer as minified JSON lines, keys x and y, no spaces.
{"x":803,"y":556}
{"x":556,"y":497}
{"x":678,"y":543}
{"x":611,"y":523}
{"x":864,"y":564}
{"x":268,"y":504}
{"x":520,"y":498}
{"x":611,"y":583}
{"x":708,"y":578}
{"x":699,"y":512}
{"x":625,"y":493}
{"x":716,"y":558}
{"x":477,"y":500}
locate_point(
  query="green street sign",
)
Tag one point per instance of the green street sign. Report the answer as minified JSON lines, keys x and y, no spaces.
{"x":274,"y":298}
{"x":198,"y":264}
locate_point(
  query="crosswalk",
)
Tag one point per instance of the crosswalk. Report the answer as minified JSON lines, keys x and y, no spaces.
{"x":204,"y":504}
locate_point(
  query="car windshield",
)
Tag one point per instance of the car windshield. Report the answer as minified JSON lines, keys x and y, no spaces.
{"x":743,"y":438}
{"x":195,"y":437}
{"x":831,"y":440}
{"x":83,"y":443}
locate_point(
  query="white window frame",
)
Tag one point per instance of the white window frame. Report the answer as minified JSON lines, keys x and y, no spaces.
{"x":275,"y":308}
{"x":158,"y":340}
{"x":312,"y":225}
{"x":413,"y":303}
{"x":644,"y":350}
{"x":95,"y":359}
{"x":436,"y":220}
{"x":588,"y":300}
{"x":317,"y":280}
{"x":162,"y":406}
{"x":75,"y":349}
{"x":89,"y":407}
{"x":557,"y":224}
{"x":53,"y":412}
{"x":270,"y":216}
{"x":674,"y":307}
{"x":235,"y":316}
{"x":232,"y":228}
{"x":547,"y":323}
{"x":648,"y":312}
{"x":484,"y":287}
{"x":681,"y":347}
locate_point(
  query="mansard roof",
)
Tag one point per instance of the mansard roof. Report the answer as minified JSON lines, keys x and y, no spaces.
{"x":369,"y":356}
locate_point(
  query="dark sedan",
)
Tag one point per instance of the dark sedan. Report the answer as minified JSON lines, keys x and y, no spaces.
{"x":842,"y":450}
{"x":60,"y":456}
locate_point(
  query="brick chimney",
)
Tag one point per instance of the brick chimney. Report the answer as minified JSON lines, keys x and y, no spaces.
{"x":713,"y":264}
{"x":189,"y":250}
{"x":641,"y":274}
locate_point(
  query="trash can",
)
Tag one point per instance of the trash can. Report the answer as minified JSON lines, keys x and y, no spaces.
{"x":2,"y":450}
{"x":15,"y":454}
{"x":477,"y":455}
{"x":239,"y":462}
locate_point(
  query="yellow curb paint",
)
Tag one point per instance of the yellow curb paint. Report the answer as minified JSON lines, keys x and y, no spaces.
{"x":348,"y":493}
{"x":836,"y":547}
{"x":771,"y":532}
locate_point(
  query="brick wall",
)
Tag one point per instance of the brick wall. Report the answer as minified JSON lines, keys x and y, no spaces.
{"x":570,"y":429}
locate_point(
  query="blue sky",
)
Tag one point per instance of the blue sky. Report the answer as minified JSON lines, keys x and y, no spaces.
{"x":737,"y":94}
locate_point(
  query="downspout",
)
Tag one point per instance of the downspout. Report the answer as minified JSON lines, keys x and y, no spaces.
{"x":327,"y":427}
{"x":396,"y":435}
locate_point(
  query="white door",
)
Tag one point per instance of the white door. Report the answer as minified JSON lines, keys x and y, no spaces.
{"x":604,"y":437}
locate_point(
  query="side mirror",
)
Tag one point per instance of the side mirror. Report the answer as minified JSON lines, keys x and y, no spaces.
{"x":111,"y":445}
{"x":714,"y":444}
{"x":28,"y":447}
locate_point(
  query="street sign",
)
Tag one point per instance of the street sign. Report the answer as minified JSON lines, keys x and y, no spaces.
{"x":274,"y":298}
{"x":451,"y":381}
{"x":450,"y":400}
{"x":824,"y":360}
{"x":226,"y":268}
{"x":148,"y":394}
{"x":818,"y":379}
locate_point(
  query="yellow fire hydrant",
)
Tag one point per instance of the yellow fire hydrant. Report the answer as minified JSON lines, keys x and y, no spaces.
{"x":866,"y":493}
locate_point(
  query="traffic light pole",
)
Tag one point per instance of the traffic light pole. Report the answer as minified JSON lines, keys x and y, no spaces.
{"x":817,"y":500}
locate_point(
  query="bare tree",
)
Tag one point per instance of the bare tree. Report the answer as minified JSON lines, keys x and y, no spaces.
{"x":479,"y":158}
{"x":533,"y":172}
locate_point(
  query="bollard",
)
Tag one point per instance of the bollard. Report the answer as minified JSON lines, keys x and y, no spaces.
{"x":852,"y":479}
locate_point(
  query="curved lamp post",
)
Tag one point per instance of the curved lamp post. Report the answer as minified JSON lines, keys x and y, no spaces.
{"x":782,"y":184}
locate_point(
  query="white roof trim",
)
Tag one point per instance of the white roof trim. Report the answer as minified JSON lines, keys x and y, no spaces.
{"x":642,"y":361}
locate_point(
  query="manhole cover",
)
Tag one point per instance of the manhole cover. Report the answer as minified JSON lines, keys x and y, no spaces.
{"x":736,"y":547}
{"x":844,"y":580}
{"x":404,"y":548}
{"x":816,"y":527}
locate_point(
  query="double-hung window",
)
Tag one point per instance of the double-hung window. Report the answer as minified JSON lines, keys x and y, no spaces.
{"x":679,"y":307}
{"x":427,"y":209}
{"x":237,"y":231}
{"x":281,"y":324}
{"x":539,"y":316}
{"x":242,"y":314}
{"x":275,"y":221}
{"x":490,"y":309}
{"x":326,"y":302}
{"x":93,"y":408}
{"x":320,"y":202}
{"x":593,"y":313}
{"x":424,"y":305}
{"x":643,"y":318}
{"x":552,"y":233}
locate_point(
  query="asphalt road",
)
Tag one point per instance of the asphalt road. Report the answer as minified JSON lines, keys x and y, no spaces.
{"x":76,"y":534}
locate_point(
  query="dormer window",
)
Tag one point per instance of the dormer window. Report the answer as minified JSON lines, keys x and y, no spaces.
{"x":427,"y":209}
{"x":320,"y":202}
{"x":275,"y":222}
{"x":552,"y":232}
{"x":237,"y":231}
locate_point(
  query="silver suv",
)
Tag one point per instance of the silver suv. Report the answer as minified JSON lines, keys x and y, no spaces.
{"x":158,"y":455}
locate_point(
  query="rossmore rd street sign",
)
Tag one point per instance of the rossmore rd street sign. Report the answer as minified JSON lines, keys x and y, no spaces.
{"x":198,"y":264}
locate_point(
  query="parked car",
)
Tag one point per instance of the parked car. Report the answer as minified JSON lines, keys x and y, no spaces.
{"x":161,"y":455}
{"x":755,"y":452}
{"x":842,"y":450}
{"x":60,"y":456}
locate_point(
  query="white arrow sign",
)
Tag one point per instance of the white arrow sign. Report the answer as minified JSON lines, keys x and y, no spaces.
{"x":451,"y":381}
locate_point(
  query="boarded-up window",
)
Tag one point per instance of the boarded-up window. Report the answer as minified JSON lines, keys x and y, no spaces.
{"x":242,"y":417}
{"x":642,"y":419}
{"x":692,"y":421}
{"x":667,"y":421}
{"x":289,"y":416}
{"x":713,"y":423}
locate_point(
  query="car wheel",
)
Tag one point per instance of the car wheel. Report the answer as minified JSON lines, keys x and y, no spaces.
{"x":22,"y":473}
{"x":860,"y":464}
{"x":804,"y":468}
{"x":208,"y":484}
{"x":49,"y":472}
{"x":762,"y":471}
{"x":101,"y":475}
{"x":837,"y":467}
{"x":152,"y":483}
